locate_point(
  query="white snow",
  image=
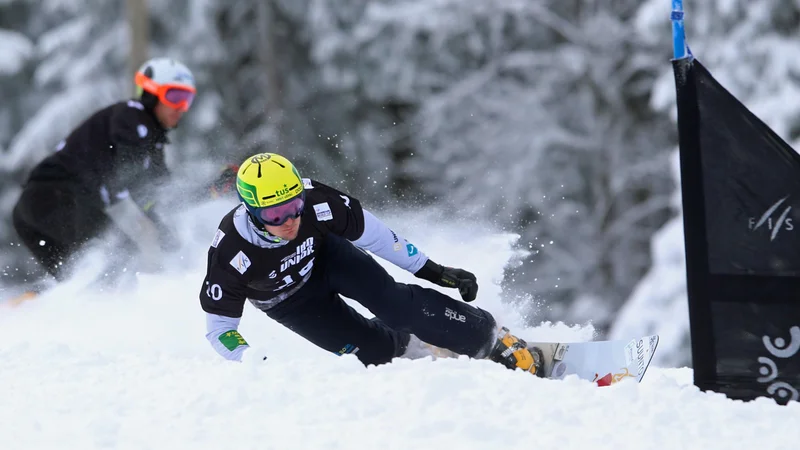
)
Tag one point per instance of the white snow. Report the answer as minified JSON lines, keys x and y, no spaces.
{"x":15,"y":50}
{"x":131,"y":369}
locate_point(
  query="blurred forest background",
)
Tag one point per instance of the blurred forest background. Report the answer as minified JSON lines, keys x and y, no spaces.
{"x":553,"y":119}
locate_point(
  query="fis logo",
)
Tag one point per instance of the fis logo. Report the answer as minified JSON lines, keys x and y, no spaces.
{"x":240,"y":262}
{"x":302,"y":250}
{"x":452,"y":315}
{"x":774,"y":219}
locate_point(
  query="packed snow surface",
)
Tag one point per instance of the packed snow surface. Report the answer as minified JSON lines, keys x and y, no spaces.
{"x":129,"y":368}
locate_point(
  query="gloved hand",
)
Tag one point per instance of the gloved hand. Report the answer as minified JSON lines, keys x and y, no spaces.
{"x":464,"y":281}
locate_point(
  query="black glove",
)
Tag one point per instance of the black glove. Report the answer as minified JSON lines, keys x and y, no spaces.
{"x":464,"y":281}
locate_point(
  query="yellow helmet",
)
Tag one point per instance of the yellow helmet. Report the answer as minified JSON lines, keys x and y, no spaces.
{"x":267,"y":179}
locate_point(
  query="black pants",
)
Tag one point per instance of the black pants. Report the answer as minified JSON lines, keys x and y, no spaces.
{"x":55,"y":219}
{"x":319,"y":314}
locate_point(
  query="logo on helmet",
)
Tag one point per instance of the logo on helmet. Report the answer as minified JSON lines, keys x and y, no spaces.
{"x":282,"y":192}
{"x":261,"y":157}
{"x":184,"y":77}
{"x":247,"y":192}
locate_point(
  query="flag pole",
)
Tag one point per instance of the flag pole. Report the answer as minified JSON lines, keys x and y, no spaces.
{"x":679,"y":47}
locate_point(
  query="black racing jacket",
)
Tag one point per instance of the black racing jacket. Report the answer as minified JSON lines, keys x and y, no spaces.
{"x":117,"y":151}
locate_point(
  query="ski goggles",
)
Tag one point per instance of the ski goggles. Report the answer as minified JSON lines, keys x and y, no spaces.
{"x":176,"y":96}
{"x":278,"y":215}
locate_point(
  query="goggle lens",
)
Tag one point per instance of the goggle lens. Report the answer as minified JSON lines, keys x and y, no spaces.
{"x":278,"y":215}
{"x":181,"y":98}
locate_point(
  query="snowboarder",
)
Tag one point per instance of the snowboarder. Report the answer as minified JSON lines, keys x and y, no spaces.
{"x":293,"y":246}
{"x":105,"y":172}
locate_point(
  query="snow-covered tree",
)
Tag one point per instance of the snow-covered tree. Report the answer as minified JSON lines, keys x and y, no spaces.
{"x":17,"y":51}
{"x":533,"y":114}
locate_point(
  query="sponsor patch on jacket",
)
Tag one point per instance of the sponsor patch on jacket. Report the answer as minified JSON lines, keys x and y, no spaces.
{"x":323,"y":211}
{"x":141,"y":130}
{"x":232,"y":339}
{"x":217,"y":238}
{"x":307,"y":183}
{"x":240,"y":262}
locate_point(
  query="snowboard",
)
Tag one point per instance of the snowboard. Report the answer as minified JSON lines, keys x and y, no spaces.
{"x":602,"y":362}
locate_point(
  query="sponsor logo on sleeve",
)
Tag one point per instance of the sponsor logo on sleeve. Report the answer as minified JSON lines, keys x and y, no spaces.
{"x":348,"y":349}
{"x":323,"y":211}
{"x":141,"y":130}
{"x":232,"y":339}
{"x":412,"y":250}
{"x":217,"y":238}
{"x":307,"y":184}
{"x":240,"y":262}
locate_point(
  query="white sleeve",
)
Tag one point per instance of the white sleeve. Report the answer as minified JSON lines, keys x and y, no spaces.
{"x":224,"y":337}
{"x":382,"y":241}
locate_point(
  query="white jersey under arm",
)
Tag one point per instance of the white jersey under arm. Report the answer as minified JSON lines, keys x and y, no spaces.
{"x":224,"y":336}
{"x":382,"y":241}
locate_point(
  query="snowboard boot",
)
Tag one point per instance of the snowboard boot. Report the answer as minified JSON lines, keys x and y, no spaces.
{"x":514,"y":353}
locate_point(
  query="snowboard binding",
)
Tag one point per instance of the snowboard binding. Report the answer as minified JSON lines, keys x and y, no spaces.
{"x":514,"y":353}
